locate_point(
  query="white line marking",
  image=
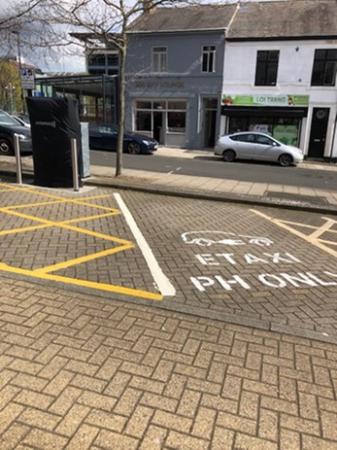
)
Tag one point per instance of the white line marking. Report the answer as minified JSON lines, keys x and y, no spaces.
{"x":163,"y":283}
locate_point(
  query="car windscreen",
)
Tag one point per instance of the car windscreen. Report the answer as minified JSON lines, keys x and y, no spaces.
{"x":6,"y":119}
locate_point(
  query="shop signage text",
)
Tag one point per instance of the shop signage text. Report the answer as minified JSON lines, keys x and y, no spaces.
{"x":265,"y":100}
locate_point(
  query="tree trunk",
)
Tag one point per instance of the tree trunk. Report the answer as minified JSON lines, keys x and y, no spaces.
{"x":121,"y":110}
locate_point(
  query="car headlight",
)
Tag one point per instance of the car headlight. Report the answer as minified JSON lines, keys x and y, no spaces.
{"x":146,"y":142}
{"x":23,"y":137}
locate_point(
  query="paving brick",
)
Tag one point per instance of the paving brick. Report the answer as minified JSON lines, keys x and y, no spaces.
{"x":189,"y":403}
{"x":222,"y":439}
{"x":181,"y":441}
{"x":99,"y":401}
{"x":39,"y":419}
{"x":204,"y":423}
{"x":236,"y":423}
{"x":8,"y":415}
{"x":154,"y":439}
{"x":42,"y":439}
{"x":72,"y":420}
{"x":83,"y":438}
{"x":127,"y":402}
{"x":106,"y":420}
{"x":10,"y":439}
{"x":253,"y":443}
{"x":172,"y":421}
{"x":113,"y":441}
{"x":159,"y":402}
{"x":139,"y":421}
{"x":268,"y":425}
{"x":329,"y":421}
{"x":291,"y":440}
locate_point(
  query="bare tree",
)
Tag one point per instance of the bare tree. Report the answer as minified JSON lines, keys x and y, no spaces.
{"x":107,"y":21}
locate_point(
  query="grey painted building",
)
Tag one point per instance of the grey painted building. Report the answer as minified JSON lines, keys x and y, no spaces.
{"x":175,"y":65}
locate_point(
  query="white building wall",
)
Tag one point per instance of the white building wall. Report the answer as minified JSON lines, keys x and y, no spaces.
{"x":294,"y":78}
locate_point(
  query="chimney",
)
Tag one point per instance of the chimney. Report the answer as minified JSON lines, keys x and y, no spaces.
{"x":148,"y":7}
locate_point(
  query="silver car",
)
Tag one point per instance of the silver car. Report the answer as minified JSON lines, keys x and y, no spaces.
{"x":258,"y":146}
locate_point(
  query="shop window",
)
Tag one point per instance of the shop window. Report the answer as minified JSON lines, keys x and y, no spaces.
{"x":208,"y":59}
{"x":159,"y":59}
{"x":96,"y":59}
{"x":112,"y":59}
{"x":266,"y":67}
{"x":324,"y":69}
{"x":143,"y":121}
{"x":176,"y":122}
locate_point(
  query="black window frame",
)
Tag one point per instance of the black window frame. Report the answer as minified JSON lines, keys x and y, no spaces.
{"x":320,"y":69}
{"x":266,"y":72}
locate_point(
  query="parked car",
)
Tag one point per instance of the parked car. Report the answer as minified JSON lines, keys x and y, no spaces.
{"x":23,"y":119}
{"x":8,"y":127}
{"x":102,"y":137}
{"x":258,"y":146}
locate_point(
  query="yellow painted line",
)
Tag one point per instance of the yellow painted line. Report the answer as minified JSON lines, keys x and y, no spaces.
{"x":82,"y":259}
{"x":312,"y":240}
{"x":327,"y":242}
{"x":328,"y":224}
{"x":304,"y":225}
{"x":87,"y":218}
{"x":98,"y":235}
{"x":31,"y":205}
{"x":23,"y":229}
{"x":85,"y":283}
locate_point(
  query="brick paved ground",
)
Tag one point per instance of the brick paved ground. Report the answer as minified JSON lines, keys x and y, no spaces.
{"x":80,"y":372}
{"x":163,"y":220}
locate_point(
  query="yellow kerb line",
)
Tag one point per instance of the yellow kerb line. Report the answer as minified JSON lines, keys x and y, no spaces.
{"x":23,"y":230}
{"x":85,"y":283}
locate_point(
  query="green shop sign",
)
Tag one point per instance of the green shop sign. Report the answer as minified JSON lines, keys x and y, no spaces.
{"x":265,"y":100}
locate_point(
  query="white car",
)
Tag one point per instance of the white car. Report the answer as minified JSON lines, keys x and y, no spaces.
{"x":258,"y":146}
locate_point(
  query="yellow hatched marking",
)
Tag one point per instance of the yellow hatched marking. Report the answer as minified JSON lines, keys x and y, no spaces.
{"x":107,"y":237}
{"x":23,"y":229}
{"x":87,"y":218}
{"x":85,"y":283}
{"x":44,"y":272}
{"x":327,"y":242}
{"x":326,"y":227}
{"x":311,"y":239}
{"x":82,"y":259}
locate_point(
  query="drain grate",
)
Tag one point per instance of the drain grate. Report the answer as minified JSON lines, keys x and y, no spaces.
{"x":298,"y":198}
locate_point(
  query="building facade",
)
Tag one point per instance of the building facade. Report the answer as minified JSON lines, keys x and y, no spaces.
{"x":174,"y":74}
{"x":283,"y":81}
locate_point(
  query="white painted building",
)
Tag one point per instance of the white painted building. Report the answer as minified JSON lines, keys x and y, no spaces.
{"x":280,"y":73}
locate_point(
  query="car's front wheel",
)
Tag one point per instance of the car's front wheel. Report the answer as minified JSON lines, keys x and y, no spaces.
{"x":133,"y":148}
{"x":229,"y":155}
{"x":285,"y":160}
{"x":5,"y":147}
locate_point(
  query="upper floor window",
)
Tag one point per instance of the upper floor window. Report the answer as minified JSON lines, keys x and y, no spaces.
{"x":324,"y":70}
{"x":103,"y":63}
{"x":266,"y":67}
{"x":208,"y":58}
{"x":159,"y":59}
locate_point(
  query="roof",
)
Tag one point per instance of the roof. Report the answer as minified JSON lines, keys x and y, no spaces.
{"x":199,"y":17}
{"x":285,"y":18}
{"x":278,"y":19}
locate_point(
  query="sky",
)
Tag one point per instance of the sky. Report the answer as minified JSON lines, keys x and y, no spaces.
{"x":60,"y":59}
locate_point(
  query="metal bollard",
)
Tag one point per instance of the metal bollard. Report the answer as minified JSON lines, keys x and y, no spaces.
{"x":17,"y":158}
{"x":74,"y":161}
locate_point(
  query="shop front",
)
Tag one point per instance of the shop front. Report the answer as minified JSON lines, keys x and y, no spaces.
{"x":280,"y":116}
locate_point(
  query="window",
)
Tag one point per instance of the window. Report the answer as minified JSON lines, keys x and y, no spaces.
{"x":266,"y":67}
{"x":159,"y":59}
{"x":324,"y":70}
{"x":176,"y":121}
{"x":208,"y":59}
{"x":250,"y":138}
{"x":143,"y":121}
{"x":264,"y":140}
{"x":103,"y":63}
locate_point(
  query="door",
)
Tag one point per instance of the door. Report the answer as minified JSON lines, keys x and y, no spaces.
{"x":158,"y":126}
{"x":266,"y":149}
{"x":244,"y":145}
{"x":319,"y":126}
{"x":210,"y":115}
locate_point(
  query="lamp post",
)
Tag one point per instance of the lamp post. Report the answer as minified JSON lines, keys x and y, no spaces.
{"x":18,"y":43}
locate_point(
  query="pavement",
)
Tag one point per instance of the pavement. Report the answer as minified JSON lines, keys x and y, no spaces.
{"x":138,"y":321}
{"x":230,"y":190}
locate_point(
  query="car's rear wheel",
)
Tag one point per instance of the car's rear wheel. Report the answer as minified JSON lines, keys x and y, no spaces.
{"x":229,"y":155}
{"x":5,"y":147}
{"x":133,"y":148}
{"x":285,"y":160}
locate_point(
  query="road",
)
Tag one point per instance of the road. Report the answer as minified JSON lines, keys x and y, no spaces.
{"x":205,"y":166}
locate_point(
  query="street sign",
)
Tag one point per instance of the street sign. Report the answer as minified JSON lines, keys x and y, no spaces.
{"x":28,"y":78}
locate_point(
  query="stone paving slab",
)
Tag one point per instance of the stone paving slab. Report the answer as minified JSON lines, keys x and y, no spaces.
{"x":79,"y":372}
